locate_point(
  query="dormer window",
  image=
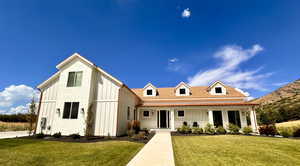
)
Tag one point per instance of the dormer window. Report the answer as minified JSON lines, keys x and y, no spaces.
{"x":149,"y":92}
{"x":218,"y":90}
{"x":182,"y":91}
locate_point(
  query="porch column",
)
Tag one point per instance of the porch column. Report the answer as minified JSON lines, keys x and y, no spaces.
{"x":172,"y":120}
{"x":253,"y":121}
{"x":225,"y":119}
{"x":210,"y":117}
{"x":243,"y":119}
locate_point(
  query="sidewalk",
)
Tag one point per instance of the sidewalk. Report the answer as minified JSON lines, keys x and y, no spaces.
{"x":13,"y":134}
{"x":157,"y":152}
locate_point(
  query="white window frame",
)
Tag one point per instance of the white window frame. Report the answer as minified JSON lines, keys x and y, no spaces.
{"x":75,"y":79}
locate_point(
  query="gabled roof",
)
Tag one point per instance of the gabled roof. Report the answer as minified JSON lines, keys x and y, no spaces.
{"x":70,"y":59}
{"x":217,"y":82}
{"x":149,"y":84}
{"x":183,"y":83}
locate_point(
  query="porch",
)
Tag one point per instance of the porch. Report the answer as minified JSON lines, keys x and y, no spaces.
{"x":174,"y":117}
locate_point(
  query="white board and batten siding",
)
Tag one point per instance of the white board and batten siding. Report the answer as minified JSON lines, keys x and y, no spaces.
{"x":106,"y":105}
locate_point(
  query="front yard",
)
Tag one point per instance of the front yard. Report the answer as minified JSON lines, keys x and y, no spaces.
{"x":235,"y":150}
{"x":39,"y":152}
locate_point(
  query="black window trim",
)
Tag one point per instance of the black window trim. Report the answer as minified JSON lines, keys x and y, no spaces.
{"x":182,"y":89}
{"x":180,"y":115}
{"x":70,"y":110}
{"x":220,"y":88}
{"x":148,"y":113}
{"x":149,"y":90}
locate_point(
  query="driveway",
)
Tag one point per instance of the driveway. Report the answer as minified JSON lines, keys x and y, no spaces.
{"x":13,"y":134}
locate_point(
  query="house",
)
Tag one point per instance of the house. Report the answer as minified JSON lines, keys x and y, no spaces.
{"x":79,"y":86}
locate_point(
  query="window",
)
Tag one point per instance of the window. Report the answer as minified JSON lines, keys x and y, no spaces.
{"x":180,"y":113}
{"x":218,"y":90}
{"x":182,"y":91}
{"x":149,"y":92}
{"x":74,"y":79}
{"x":234,"y":118}
{"x":71,"y":110}
{"x":146,"y":113}
{"x":128,"y":113}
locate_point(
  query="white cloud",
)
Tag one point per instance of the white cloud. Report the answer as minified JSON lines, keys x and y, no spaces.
{"x":186,"y":13}
{"x":175,"y":65}
{"x":173,"y":60}
{"x":12,"y":94}
{"x":228,"y":71}
{"x":280,"y":83}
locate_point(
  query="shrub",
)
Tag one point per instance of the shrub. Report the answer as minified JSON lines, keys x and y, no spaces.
{"x":220,"y":130}
{"x":209,"y":129}
{"x":268,"y":130}
{"x":128,"y":126}
{"x":185,"y":129}
{"x":136,"y":126}
{"x":40,"y":135}
{"x":57,"y":135}
{"x":285,"y":131}
{"x":75,"y":136}
{"x":185,"y":123}
{"x":197,"y":130}
{"x":296,"y":133}
{"x":130,"y":133}
{"x":233,"y":129}
{"x":195,"y":124}
{"x":247,"y":130}
{"x":140,"y":135}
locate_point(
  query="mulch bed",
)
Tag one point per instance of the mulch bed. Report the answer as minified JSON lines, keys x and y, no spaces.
{"x":92,"y":139}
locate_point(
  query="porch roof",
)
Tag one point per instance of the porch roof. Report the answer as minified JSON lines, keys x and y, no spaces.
{"x":196,"y":104}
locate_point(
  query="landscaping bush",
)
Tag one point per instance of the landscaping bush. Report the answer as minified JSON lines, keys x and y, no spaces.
{"x":136,"y":126}
{"x":57,"y":135}
{"x":268,"y":130}
{"x":247,"y":130}
{"x":195,"y":124}
{"x":185,"y":129}
{"x":40,"y":135}
{"x":197,"y":130}
{"x":296,"y":133}
{"x":220,"y":130}
{"x":185,"y":123}
{"x":130,"y":133}
{"x":75,"y":136}
{"x":285,"y":131}
{"x":140,"y":135}
{"x":209,"y":129}
{"x":233,"y":129}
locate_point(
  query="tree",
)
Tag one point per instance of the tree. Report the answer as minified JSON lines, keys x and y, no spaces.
{"x":89,"y":122}
{"x":31,"y":116}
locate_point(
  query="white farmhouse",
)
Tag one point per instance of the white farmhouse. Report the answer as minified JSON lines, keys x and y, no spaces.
{"x":78,"y":83}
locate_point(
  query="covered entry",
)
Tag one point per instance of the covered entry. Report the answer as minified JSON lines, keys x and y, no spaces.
{"x":163,"y":119}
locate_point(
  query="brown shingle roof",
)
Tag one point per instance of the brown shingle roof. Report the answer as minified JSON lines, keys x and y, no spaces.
{"x":196,"y":92}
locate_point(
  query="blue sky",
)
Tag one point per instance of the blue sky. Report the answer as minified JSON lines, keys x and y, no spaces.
{"x":253,"y":45}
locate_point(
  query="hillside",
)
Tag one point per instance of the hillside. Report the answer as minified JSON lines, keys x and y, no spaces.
{"x":281,"y":105}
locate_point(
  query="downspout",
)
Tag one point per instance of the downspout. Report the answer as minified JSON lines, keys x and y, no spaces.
{"x":38,"y":114}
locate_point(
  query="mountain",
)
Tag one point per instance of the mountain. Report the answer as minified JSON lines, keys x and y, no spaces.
{"x":280,"y":105}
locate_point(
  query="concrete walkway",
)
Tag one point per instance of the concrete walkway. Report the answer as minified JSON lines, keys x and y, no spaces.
{"x":157,"y":152}
{"x":13,"y":134}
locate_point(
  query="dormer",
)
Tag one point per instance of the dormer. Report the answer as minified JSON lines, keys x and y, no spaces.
{"x":182,"y":89}
{"x":149,"y":90}
{"x":217,"y":88}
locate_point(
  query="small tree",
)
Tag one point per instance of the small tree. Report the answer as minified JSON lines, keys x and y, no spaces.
{"x":31,"y":116}
{"x":89,"y":122}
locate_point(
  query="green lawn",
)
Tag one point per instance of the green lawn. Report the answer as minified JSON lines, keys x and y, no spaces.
{"x":25,"y":152}
{"x":235,"y":150}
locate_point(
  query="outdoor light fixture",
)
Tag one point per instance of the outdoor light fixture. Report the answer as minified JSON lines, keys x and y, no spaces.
{"x":82,"y":110}
{"x":58,"y":110}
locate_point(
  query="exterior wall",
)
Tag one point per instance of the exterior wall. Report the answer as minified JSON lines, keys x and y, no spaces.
{"x":105,"y":97}
{"x":79,"y":94}
{"x":48,"y":106}
{"x":126,"y":99}
{"x":148,"y":122}
{"x":200,"y":116}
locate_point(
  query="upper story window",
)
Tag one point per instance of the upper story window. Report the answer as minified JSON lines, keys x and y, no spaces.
{"x":182,"y":91}
{"x":71,"y":110}
{"x":149,"y":92}
{"x":74,"y":79}
{"x":218,"y":90}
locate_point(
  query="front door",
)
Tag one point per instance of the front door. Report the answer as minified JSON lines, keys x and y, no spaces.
{"x":163,"y":119}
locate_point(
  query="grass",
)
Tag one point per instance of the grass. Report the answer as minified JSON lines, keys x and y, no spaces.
{"x":235,"y":150}
{"x":33,"y":152}
{"x":295,"y":123}
{"x":13,"y":126}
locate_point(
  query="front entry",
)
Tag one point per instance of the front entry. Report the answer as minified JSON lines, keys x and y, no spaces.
{"x":163,"y":119}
